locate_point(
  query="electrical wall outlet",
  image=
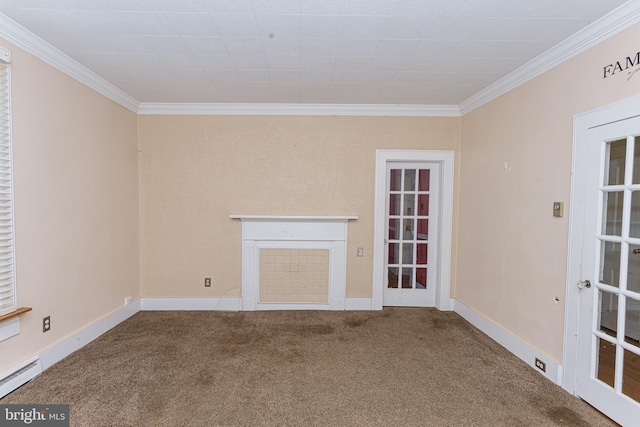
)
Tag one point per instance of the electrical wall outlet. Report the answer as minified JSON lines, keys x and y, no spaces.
{"x":128,"y":300}
{"x":541,"y":365}
{"x":360,"y":252}
{"x":207,"y":282}
{"x":46,"y":324}
{"x":558,"y":209}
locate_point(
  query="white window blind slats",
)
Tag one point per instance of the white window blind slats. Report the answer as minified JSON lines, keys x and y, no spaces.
{"x":6,"y":299}
{"x":6,"y":295}
{"x":7,"y":276}
{"x":6,"y":268}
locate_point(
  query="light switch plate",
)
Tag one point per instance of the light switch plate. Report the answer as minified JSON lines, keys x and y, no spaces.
{"x":558,"y":209}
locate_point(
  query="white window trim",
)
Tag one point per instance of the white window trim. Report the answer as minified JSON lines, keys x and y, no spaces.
{"x":10,"y":327}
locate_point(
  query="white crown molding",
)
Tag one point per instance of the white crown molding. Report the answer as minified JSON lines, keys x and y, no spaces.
{"x":609,"y":25}
{"x":301,"y":109}
{"x":24,"y":39}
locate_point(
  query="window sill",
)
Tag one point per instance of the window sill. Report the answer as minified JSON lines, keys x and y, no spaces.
{"x":15,"y":313}
{"x":10,"y":323}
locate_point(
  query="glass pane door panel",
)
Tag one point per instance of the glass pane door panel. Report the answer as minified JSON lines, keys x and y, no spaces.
{"x":395,"y":180}
{"x":612,"y":215}
{"x":394,"y":229}
{"x":632,"y":322}
{"x":423,"y":229}
{"x":394,"y":256}
{"x":409,"y":180}
{"x":610,"y":269}
{"x":617,"y":151}
{"x":607,"y":323}
{"x":633,"y":272}
{"x":606,"y":366}
{"x":409,"y":226}
{"x":425,"y":175}
{"x":421,"y":254}
{"x":409,"y":205}
{"x":608,"y":315}
{"x":634,"y":226}
{"x":423,"y":205}
{"x":631,"y":375}
{"x":407,"y":276}
{"x":636,"y":161}
{"x":407,"y":253}
{"x":421,"y":278}
{"x":392,"y":277}
{"x":394,"y":204}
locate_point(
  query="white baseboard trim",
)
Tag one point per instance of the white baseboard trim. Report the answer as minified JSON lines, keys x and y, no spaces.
{"x":77,"y":340}
{"x":358,"y":304}
{"x":509,"y":341}
{"x":185,"y":304}
{"x":224,"y":304}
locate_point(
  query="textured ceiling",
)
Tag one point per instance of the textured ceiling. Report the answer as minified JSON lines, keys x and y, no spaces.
{"x":429,"y":52}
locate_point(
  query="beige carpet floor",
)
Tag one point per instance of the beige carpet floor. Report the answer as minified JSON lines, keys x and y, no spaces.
{"x":397,"y":367}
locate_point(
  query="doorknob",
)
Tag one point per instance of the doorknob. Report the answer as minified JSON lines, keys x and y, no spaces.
{"x":636,"y":251}
{"x":584,"y":284}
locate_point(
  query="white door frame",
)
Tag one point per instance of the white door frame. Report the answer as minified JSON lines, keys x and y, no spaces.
{"x":446,"y":160}
{"x":621,"y":110}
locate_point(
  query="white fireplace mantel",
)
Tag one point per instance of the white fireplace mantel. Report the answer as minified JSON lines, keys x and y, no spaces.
{"x":294,"y":232}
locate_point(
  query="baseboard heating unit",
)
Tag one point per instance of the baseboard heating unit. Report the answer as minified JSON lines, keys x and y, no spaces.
{"x":20,"y":375}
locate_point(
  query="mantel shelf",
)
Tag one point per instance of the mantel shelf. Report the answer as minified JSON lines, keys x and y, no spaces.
{"x":343,"y":218}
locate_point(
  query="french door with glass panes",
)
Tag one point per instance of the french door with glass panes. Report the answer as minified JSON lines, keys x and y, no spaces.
{"x":412,"y":206}
{"x":608,"y":370}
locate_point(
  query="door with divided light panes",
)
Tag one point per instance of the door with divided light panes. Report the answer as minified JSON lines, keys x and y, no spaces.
{"x":412,"y":206}
{"x":608,"y":370}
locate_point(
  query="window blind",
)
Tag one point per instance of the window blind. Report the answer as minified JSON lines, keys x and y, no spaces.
{"x":7,"y":265}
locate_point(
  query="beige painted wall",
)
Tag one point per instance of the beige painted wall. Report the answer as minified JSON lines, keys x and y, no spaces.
{"x":516,"y":161}
{"x":76,"y":205}
{"x":198,"y":170}
{"x":76,"y":185}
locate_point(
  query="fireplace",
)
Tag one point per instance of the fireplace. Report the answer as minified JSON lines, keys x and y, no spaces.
{"x":294,"y":262}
